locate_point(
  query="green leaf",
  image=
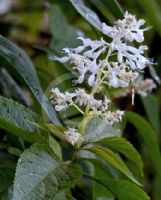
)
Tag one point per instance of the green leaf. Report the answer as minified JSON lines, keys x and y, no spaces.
{"x":124,"y":147}
{"x":149,"y":137}
{"x":97,"y":129}
{"x":101,"y":170}
{"x":114,"y":7}
{"x":152,"y":108}
{"x":55,"y":146}
{"x":100,"y":191}
{"x":153,"y":12}
{"x":61,"y":38}
{"x":14,"y":57}
{"x":56,"y":130}
{"x":109,"y":8}
{"x":114,"y":160}
{"x":15,"y":118}
{"x":87,"y":13}
{"x":122,"y":189}
{"x":7,"y":171}
{"x":40,"y":175}
{"x":14,"y":151}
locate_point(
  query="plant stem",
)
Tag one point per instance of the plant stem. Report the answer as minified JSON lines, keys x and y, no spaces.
{"x":93,"y":91}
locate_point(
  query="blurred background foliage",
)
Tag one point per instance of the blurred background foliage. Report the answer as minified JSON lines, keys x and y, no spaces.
{"x":43,"y":28}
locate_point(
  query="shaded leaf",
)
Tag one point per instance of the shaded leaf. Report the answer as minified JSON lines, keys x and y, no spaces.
{"x":14,"y":57}
{"x":114,"y":7}
{"x":100,"y":191}
{"x":7,"y":171}
{"x":61,"y":38}
{"x":153,"y":12}
{"x":109,"y":8}
{"x":152,"y":108}
{"x":149,"y":137}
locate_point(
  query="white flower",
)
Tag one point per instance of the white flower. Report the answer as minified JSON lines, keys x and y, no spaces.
{"x":120,"y":75}
{"x":82,"y":97}
{"x":127,"y":28}
{"x":60,"y":100}
{"x":143,"y":87}
{"x":88,"y":62}
{"x":113,"y":117}
{"x":132,"y":56}
{"x":72,"y":136}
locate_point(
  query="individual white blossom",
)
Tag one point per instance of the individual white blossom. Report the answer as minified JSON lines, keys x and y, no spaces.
{"x":120,"y":75}
{"x":60,"y":100}
{"x":144,"y":87}
{"x":82,"y":98}
{"x":72,"y":136}
{"x":113,"y":117}
{"x":128,"y":28}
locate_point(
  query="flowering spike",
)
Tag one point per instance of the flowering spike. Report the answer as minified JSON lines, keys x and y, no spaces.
{"x":117,"y":64}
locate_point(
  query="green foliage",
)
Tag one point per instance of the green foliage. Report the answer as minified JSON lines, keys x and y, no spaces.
{"x":113,"y":159}
{"x":97,"y":129}
{"x":122,"y":189}
{"x":149,"y":137}
{"x":52,"y":169}
{"x":17,"y":119}
{"x":111,"y":10}
{"x":7,"y":170}
{"x":152,"y":10}
{"x":61,"y":38}
{"x":125,"y":148}
{"x":14,"y":57}
{"x":40,"y":175}
{"x":87,"y":13}
{"x":152,"y":108}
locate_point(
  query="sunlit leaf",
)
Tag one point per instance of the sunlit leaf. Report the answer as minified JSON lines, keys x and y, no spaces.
{"x":97,"y":129}
{"x":40,"y":175}
{"x":122,"y":189}
{"x":87,"y":13}
{"x":124,"y":147}
{"x":113,"y":159}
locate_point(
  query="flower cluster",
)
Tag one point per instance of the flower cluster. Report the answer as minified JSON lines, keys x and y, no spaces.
{"x":116,"y":64}
{"x":72,"y":136}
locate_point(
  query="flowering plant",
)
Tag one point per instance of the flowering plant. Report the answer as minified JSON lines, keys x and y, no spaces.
{"x":75,"y":148}
{"x":116,"y":64}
